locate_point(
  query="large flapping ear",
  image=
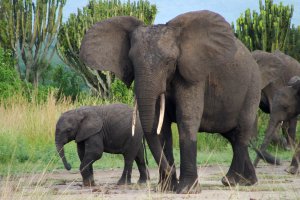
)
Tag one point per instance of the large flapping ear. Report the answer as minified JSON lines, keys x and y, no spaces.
{"x":206,"y":40}
{"x":271,"y":67}
{"x":106,"y":45}
{"x":90,"y":124}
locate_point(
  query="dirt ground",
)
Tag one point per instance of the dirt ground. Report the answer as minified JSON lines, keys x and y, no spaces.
{"x":274,"y":183}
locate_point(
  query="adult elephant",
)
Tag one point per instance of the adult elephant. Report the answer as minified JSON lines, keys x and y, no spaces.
{"x":281,"y":68}
{"x":192,"y":71}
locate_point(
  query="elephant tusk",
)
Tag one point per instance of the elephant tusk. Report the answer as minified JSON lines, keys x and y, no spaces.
{"x":134,"y":116}
{"x":161,"y":113}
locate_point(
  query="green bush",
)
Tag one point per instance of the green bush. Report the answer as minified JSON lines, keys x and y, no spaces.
{"x":120,"y":93}
{"x":68,"y":82}
{"x":10,"y":82}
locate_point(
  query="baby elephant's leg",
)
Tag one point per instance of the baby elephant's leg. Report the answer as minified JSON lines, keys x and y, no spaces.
{"x":140,"y":161}
{"x":93,"y":151}
{"x":126,"y":175}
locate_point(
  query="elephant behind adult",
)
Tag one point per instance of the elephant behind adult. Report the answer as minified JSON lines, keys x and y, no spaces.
{"x":286,"y":105}
{"x":192,"y":71}
{"x":277,"y":68}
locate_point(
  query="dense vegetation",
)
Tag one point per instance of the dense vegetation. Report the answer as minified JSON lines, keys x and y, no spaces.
{"x":269,"y":29}
{"x":34,"y":91}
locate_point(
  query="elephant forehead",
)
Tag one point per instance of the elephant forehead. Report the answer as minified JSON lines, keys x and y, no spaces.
{"x":157,"y":39}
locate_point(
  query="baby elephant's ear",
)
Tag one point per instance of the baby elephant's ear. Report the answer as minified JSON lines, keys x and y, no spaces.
{"x":90,"y":124}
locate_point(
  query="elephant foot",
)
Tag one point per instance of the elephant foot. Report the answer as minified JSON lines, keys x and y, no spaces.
{"x":168,"y":183}
{"x":292,"y":170}
{"x":188,"y":186}
{"x":123,"y":181}
{"x":88,"y":183}
{"x":230,"y":180}
{"x":142,"y":180}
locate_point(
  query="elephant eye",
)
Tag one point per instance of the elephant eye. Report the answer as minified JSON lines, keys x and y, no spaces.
{"x":69,"y":129}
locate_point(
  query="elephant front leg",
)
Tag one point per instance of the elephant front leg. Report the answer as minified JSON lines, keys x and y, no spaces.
{"x":93,"y":151}
{"x":291,"y":133}
{"x":189,"y":110}
{"x":167,"y":143}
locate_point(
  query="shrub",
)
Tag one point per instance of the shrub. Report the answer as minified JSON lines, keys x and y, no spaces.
{"x":10,"y":82}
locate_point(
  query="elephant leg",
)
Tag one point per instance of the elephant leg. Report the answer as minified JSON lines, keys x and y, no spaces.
{"x":241,"y":170}
{"x":291,"y":133}
{"x":80,"y":150}
{"x":129,"y":155}
{"x":294,"y":167}
{"x":166,"y":171}
{"x":126,"y":175}
{"x":140,"y":162}
{"x":93,"y":151}
{"x":188,"y":119}
{"x":167,"y":143}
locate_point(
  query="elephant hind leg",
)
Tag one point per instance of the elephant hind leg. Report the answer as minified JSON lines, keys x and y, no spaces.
{"x":241,"y":170}
{"x":140,"y":162}
{"x":126,"y":175}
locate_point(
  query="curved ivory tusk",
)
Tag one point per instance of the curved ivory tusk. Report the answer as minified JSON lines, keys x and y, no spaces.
{"x":134,"y":116}
{"x":161,"y":113}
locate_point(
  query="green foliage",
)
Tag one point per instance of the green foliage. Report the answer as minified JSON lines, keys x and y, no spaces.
{"x":121,"y":93}
{"x":266,"y":30}
{"x":293,"y":44}
{"x":31,"y":29}
{"x":67,"y":81}
{"x":37,"y":94}
{"x":72,"y":32}
{"x":10,"y":82}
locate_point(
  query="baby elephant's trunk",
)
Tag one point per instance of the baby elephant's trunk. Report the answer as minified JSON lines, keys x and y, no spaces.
{"x":61,"y":152}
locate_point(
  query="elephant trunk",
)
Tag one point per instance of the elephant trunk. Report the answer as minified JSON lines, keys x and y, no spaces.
{"x":147,"y":109}
{"x":262,"y":153}
{"x":61,"y":152}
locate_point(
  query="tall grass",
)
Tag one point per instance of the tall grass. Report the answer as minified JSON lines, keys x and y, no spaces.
{"x":27,"y":136}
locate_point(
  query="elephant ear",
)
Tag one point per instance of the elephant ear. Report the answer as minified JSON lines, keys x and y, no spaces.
{"x":295,"y":83}
{"x":271,"y":67}
{"x":91,"y":123}
{"x":106,"y":45}
{"x":206,"y":40}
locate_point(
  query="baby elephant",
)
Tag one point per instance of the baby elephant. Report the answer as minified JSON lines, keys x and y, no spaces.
{"x":98,"y":129}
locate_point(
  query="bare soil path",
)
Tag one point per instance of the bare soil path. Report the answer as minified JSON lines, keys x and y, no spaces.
{"x":274,"y":183}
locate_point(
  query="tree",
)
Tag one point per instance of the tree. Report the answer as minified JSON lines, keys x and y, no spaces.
{"x":293,"y":43}
{"x":10,"y":83}
{"x":31,"y":32}
{"x":266,"y":30}
{"x":72,"y":32}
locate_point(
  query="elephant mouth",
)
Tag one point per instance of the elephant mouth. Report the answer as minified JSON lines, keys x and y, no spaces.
{"x":161,"y":114}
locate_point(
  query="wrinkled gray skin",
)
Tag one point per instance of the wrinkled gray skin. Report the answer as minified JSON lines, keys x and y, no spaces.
{"x":209,"y":78}
{"x":98,"y":129}
{"x":282,"y":68}
{"x":286,"y":106}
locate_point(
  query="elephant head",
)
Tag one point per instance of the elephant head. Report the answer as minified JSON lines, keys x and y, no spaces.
{"x":155,"y":55}
{"x":78,"y":125}
{"x":286,"y":101}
